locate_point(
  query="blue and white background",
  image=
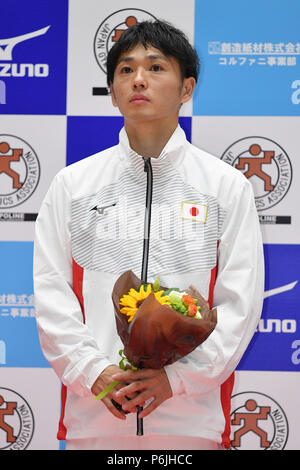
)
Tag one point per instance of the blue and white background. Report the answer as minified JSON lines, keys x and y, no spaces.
{"x":55,"y":107}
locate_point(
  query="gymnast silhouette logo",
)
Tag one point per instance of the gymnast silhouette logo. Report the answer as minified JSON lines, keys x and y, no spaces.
{"x":258,"y":422}
{"x":267,"y":166}
{"x":19,"y":171}
{"x":130,"y":21}
{"x":8,"y":410}
{"x":16,"y":421}
{"x":111,"y":29}
{"x":250,"y":423}
{"x":255,"y":163}
{"x":6,"y":157}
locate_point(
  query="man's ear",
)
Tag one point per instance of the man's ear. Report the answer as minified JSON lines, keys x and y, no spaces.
{"x":187,"y":90}
{"x":113,"y":96}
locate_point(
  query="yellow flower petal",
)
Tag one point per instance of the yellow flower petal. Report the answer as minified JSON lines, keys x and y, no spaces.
{"x":147,"y":292}
{"x":163,"y":300}
{"x":128,"y":310}
{"x":141,"y":291}
{"x":135,"y":294}
{"x":128,"y":301}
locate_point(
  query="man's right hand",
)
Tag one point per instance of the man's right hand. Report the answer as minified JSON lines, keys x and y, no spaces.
{"x":102,"y":382}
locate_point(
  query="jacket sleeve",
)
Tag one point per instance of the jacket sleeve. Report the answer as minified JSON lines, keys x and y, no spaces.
{"x":238,"y":297}
{"x":67,"y":343}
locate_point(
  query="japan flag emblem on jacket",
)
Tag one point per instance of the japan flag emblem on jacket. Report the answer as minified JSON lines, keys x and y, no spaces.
{"x":194,"y":211}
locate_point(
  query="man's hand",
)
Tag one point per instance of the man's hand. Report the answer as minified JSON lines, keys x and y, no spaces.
{"x":145,"y":384}
{"x":105,"y":379}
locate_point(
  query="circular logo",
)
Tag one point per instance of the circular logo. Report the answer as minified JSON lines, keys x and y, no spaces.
{"x":265,"y":164}
{"x":16,"y":421}
{"x":111,"y":29}
{"x":194,"y":211}
{"x":19,"y":171}
{"x":257,"y":422}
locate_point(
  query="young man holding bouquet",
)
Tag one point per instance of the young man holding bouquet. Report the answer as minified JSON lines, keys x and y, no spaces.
{"x":213,"y":243}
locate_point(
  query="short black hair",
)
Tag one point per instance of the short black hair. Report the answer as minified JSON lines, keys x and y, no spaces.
{"x":162,"y":36}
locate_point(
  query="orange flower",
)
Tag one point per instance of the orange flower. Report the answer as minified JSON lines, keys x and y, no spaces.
{"x":192,"y":310}
{"x":188,"y":300}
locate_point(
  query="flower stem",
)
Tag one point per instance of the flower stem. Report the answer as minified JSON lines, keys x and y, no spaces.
{"x":107,"y":390}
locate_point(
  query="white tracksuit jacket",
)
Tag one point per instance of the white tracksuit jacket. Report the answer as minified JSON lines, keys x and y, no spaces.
{"x":82,"y":247}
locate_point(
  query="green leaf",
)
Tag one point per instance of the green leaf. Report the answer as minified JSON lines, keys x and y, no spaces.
{"x":122,"y":361}
{"x":156,"y":284}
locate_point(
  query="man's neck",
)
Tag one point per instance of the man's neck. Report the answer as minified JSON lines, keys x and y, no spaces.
{"x":148,"y":139}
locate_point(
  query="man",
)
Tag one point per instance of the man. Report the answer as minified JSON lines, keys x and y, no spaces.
{"x":204,"y":232}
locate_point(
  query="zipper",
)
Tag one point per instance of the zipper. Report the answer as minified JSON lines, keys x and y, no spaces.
{"x":147,"y":223}
{"x":147,"y":220}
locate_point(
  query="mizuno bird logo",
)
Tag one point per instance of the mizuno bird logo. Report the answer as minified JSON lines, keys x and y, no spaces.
{"x":101,"y":210}
{"x":7,"y":45}
{"x":279,"y":290}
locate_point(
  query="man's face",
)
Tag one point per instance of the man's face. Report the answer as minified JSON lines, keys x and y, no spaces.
{"x":148,"y":85}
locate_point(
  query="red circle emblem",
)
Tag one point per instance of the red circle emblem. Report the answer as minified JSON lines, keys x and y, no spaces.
{"x":194,"y":211}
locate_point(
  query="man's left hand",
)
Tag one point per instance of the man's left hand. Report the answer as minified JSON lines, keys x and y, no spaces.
{"x":149,"y":383}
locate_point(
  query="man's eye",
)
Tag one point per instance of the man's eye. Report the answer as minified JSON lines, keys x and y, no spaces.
{"x":126,"y":70}
{"x":156,"y":68}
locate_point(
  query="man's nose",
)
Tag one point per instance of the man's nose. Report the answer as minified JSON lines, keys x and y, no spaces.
{"x":140,"y":80}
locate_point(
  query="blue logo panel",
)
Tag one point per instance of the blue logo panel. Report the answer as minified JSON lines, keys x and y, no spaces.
{"x":19,"y":342}
{"x":91,"y":134}
{"x":33,"y":57}
{"x":276,"y":344}
{"x":250,"y":58}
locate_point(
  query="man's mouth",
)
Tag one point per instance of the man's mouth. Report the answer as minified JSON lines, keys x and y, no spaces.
{"x":138,"y":98}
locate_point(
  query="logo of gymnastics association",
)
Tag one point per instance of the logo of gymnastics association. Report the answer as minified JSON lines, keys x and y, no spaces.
{"x":110,"y":31}
{"x":258,"y":422}
{"x":16,"y":421}
{"x":266,"y":164}
{"x":19,"y":171}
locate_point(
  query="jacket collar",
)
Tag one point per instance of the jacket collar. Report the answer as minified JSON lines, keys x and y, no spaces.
{"x":171,"y":155}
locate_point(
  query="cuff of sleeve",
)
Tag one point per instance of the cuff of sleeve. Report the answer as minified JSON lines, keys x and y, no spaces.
{"x":96,"y":371}
{"x":175,"y":380}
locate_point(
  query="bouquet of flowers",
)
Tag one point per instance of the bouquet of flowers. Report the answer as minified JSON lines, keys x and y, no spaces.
{"x":159,"y":325}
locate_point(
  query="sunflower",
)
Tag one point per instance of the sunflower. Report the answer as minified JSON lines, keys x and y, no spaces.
{"x":132,"y":301}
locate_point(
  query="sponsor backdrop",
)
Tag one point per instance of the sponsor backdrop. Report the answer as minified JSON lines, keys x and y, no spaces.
{"x":55,"y":109}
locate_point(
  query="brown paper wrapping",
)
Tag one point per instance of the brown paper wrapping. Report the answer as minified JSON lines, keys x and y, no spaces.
{"x":158,"y":335}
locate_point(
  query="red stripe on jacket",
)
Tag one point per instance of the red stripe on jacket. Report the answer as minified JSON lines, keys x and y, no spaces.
{"x":227,"y":386}
{"x":77,"y":288}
